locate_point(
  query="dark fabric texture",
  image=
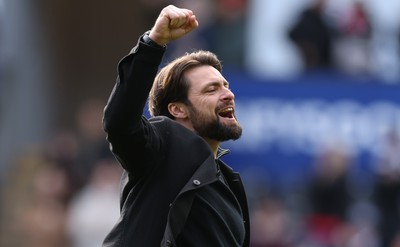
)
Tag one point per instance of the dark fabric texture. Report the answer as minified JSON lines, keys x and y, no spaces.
{"x":215,"y":217}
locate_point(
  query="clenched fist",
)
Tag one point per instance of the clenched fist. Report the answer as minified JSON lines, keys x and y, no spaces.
{"x":171,"y":24}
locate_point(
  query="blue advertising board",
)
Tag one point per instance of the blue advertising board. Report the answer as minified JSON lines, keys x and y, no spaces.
{"x":287,"y":124}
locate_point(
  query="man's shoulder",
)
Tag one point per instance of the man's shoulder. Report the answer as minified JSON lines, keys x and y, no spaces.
{"x":163,"y":121}
{"x":174,"y":130}
{"x":166,"y":123}
{"x":159,"y":119}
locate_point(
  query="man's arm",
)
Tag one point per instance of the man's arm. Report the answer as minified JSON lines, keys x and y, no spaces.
{"x":136,"y":72}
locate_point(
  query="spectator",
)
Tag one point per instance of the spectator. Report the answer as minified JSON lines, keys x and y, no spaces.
{"x":34,"y":202}
{"x":91,"y":137}
{"x":313,"y":36}
{"x":352,"y":48}
{"x":387,"y":189}
{"x":270,"y":224}
{"x":43,"y":222}
{"x":94,"y":210}
{"x":329,"y":196}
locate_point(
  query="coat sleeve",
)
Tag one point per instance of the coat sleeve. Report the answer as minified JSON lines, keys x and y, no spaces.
{"x":132,"y":138}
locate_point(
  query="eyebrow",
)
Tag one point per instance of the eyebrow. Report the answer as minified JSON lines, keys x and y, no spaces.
{"x":216,"y":83}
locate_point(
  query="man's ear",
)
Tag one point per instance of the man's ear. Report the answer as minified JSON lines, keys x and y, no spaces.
{"x":177,"y":109}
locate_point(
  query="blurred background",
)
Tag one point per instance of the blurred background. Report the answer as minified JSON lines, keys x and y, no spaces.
{"x":317,"y":87}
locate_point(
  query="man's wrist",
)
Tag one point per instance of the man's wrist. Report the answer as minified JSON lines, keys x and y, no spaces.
{"x":147,"y":40}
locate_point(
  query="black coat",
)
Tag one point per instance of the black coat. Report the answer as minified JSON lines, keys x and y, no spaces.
{"x":165,"y":163}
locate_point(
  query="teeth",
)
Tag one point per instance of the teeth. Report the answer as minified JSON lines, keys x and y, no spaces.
{"x":227,"y":109}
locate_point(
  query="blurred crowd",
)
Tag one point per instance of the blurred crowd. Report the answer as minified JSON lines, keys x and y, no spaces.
{"x":339,"y":205}
{"x":65,"y":192}
{"x":359,"y":38}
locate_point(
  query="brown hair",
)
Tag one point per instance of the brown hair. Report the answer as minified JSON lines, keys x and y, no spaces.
{"x":170,"y":84}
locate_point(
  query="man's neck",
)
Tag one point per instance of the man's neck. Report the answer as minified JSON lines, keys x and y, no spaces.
{"x":213,"y":144}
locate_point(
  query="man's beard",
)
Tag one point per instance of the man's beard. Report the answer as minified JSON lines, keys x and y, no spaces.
{"x":214,"y":128}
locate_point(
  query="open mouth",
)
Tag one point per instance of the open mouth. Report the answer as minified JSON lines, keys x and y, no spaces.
{"x":227,"y":112}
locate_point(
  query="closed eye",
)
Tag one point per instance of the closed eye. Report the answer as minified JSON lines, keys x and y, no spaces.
{"x":211,"y":89}
{"x":214,"y":86}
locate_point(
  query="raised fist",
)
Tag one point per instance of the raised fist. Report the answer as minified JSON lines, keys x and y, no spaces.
{"x":171,"y":24}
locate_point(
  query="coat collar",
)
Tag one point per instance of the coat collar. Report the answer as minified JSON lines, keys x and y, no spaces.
{"x":221,"y":152}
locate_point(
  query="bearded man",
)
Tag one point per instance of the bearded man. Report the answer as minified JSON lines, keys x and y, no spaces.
{"x":175,"y":190}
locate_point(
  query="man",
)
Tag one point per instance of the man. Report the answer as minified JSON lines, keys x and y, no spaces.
{"x":175,"y":189}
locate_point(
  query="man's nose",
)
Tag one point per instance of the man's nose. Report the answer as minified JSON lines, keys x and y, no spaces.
{"x":228,"y":94}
